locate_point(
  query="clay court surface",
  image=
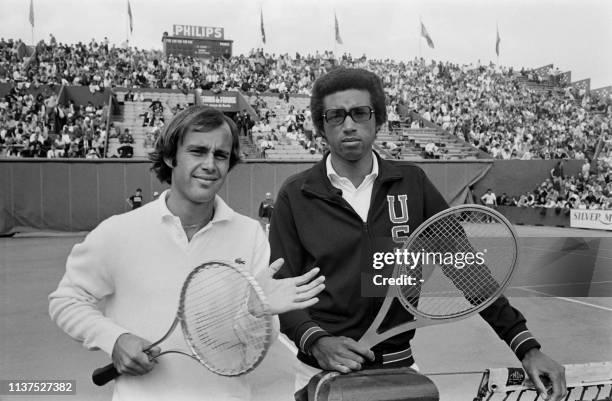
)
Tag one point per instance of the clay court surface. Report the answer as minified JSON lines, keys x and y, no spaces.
{"x":563,"y":286}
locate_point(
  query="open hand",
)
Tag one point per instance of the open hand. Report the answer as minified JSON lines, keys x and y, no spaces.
{"x":291,"y":293}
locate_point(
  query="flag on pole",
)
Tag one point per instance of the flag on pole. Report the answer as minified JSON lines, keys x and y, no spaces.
{"x":32,"y":13}
{"x":497,"y":41}
{"x":131,"y":18}
{"x":338,"y":38}
{"x":263,"y":32}
{"x":425,"y":34}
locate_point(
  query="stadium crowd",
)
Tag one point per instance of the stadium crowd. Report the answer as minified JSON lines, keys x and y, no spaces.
{"x":37,"y":126}
{"x":489,"y":107}
{"x":283,"y":124}
{"x":590,"y":189}
{"x":485,"y":105}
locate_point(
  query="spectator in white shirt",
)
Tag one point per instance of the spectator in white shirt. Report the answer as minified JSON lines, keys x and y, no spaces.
{"x":489,"y":198}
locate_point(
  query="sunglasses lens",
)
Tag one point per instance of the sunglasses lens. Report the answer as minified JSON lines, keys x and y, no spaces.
{"x":360,"y":114}
{"x":335,"y":116}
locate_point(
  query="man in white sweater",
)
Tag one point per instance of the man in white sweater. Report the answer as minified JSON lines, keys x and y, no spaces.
{"x":136,"y":263}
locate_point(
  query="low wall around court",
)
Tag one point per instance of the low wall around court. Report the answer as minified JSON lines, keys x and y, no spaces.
{"x":75,"y":195}
{"x":516,"y":177}
{"x":81,"y":95}
{"x":535,"y":216}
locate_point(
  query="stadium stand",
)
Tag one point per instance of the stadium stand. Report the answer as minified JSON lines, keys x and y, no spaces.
{"x":143,"y":122}
{"x":414,"y":143}
{"x":464,"y":111}
{"x":291,"y":152}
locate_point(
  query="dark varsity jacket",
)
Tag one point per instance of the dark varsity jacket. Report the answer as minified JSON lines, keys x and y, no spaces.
{"x":313,"y":225}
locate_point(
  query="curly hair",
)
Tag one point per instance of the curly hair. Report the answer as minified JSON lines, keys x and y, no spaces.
{"x":340,"y":79}
{"x":196,"y":118}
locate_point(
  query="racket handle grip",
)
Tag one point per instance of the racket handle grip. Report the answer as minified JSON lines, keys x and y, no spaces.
{"x":103,"y":375}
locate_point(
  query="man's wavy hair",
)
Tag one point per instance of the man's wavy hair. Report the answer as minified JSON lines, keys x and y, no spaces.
{"x":194,"y":118}
{"x":341,"y":79}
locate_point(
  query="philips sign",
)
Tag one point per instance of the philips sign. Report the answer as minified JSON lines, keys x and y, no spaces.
{"x":192,"y":31}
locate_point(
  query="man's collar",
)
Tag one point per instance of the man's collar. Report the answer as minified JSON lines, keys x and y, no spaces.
{"x":316,"y":180}
{"x":222,"y":211}
{"x":331,"y":171}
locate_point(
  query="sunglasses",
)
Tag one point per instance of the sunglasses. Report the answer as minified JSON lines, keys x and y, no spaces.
{"x":359,"y":114}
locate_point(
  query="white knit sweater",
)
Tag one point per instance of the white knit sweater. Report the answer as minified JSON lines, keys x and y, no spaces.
{"x":136,"y":263}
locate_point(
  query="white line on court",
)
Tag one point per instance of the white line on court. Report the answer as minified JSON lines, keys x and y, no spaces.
{"x":560,"y":284}
{"x":580,"y":252}
{"x":566,"y":299}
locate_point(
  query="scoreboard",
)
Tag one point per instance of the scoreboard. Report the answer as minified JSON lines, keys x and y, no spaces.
{"x":197,"y":42}
{"x":197,"y":48}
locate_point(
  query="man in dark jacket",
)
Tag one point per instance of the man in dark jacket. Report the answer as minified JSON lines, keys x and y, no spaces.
{"x":336,"y":214}
{"x":265,"y":208}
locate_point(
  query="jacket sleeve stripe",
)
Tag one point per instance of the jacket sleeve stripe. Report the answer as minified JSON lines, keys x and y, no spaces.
{"x":519,"y":339}
{"x":307,"y":334}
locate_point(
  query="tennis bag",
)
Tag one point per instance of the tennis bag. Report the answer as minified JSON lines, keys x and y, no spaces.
{"x":396,"y":384}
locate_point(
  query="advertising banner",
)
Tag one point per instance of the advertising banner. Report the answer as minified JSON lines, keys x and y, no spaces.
{"x":595,"y":219}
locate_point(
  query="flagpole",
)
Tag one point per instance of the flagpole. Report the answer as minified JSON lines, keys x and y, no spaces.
{"x":31,"y":18}
{"x":128,"y":31}
{"x":335,"y":33}
{"x":496,"y":44}
{"x":261,"y":28}
{"x":418,"y":45}
{"x":419,"y":36}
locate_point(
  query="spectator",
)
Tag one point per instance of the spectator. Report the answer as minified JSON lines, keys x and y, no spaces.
{"x":74,"y":151}
{"x":503,"y":200}
{"x":394,"y":150}
{"x":135,"y":201}
{"x":266,"y":207}
{"x":431,"y":151}
{"x":54,"y":152}
{"x":586,"y":169}
{"x":557,"y":174}
{"x":126,"y":137}
{"x":92,"y":154}
{"x":125,"y":151}
{"x":126,"y":140}
{"x":489,"y":199}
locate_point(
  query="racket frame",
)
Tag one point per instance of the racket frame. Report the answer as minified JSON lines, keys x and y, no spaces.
{"x":372,"y":337}
{"x":264,"y":314}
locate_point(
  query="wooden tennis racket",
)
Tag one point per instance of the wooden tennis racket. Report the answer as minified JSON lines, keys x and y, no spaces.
{"x":225,"y":320}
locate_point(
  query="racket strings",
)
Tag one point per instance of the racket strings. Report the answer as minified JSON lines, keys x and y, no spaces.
{"x":451,"y":283}
{"x":218,"y":322}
